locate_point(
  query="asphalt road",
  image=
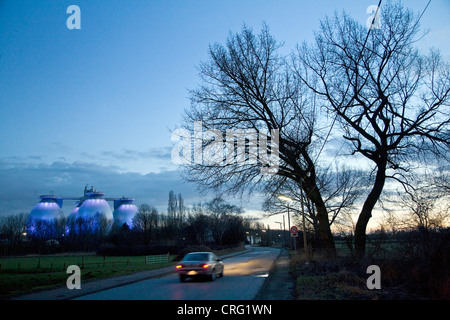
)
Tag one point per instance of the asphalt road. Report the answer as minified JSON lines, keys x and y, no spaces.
{"x":243,"y":277}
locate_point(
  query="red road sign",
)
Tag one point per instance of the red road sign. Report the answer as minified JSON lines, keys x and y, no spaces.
{"x":294,"y":229}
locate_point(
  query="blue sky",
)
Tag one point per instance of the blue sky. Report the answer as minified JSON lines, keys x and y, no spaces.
{"x":95,"y":106}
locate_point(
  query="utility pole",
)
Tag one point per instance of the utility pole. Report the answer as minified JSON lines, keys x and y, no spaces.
{"x":289,"y":223}
{"x":280,"y":223}
{"x":285,"y":198}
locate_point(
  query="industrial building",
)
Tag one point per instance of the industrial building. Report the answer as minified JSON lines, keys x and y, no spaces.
{"x":91,"y":205}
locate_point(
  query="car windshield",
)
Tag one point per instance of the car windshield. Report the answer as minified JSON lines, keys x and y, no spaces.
{"x":196,"y":257}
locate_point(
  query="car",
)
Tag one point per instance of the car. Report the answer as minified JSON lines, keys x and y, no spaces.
{"x":200,"y":264}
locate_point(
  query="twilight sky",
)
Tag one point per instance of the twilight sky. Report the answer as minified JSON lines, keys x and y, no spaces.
{"x":95,"y":106}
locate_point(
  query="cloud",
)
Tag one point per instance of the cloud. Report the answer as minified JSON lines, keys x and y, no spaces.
{"x":163,"y":153}
{"x":22,"y":182}
{"x":151,"y":160}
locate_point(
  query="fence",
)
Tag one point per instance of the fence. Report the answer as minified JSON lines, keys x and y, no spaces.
{"x":60,"y":263}
{"x":160,"y":258}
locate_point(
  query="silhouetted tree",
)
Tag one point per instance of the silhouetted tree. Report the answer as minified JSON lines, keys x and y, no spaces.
{"x":12,"y":228}
{"x":200,"y":223}
{"x":390,"y":100}
{"x":146,"y":223}
{"x":248,"y":85}
{"x":221,"y":214}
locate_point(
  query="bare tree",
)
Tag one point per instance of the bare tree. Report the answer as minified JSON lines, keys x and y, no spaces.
{"x":12,"y":228}
{"x":390,"y":100}
{"x":247,"y":85}
{"x":146,"y":223}
{"x":423,"y":212}
{"x":221,"y":214}
{"x":200,"y":221}
{"x":175,"y":213}
{"x":425,"y":206}
{"x":441,"y":179}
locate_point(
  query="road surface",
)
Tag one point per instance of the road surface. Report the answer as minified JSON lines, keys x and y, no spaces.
{"x":243,"y":277}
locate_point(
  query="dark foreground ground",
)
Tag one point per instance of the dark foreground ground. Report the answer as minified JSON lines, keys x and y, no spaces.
{"x":345,"y":279}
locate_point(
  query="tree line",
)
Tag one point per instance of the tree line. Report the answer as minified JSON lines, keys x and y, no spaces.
{"x":214,"y":222}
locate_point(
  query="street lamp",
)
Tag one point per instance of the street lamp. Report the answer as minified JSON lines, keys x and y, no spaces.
{"x":285,"y":198}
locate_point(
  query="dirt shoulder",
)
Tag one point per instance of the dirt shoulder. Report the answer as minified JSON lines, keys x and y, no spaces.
{"x":279,"y":285}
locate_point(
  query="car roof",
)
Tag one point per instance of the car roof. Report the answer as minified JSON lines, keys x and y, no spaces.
{"x":199,"y":252}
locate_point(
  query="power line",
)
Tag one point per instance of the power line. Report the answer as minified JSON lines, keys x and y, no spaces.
{"x":359,"y":58}
{"x":420,"y":17}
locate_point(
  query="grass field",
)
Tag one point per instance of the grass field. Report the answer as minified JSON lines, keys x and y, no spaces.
{"x":386,"y":248}
{"x":20,"y":275}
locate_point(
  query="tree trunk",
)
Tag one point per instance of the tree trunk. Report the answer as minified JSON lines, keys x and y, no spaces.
{"x":326,"y":236}
{"x":366,"y":211}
